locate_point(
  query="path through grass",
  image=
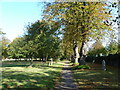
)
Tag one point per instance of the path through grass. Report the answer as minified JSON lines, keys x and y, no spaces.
{"x":20,"y":75}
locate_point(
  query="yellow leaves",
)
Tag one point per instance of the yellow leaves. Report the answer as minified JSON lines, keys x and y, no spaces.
{"x":63,"y":16}
{"x":76,"y":15}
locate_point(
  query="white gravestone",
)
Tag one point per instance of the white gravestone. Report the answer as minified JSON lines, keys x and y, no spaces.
{"x":93,"y":61}
{"x":77,"y":54}
{"x":104,"y":65}
{"x":85,"y":49}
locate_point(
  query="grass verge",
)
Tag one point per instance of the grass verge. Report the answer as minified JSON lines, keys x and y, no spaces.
{"x":20,"y":75}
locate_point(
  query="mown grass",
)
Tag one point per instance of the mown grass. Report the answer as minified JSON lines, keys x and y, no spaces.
{"x":96,"y":78}
{"x":21,"y":75}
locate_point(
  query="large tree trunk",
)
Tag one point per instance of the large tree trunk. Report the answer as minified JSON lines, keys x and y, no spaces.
{"x":76,"y":54}
{"x":83,"y":51}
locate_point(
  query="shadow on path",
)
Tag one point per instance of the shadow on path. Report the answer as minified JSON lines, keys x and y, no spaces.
{"x":67,"y":82}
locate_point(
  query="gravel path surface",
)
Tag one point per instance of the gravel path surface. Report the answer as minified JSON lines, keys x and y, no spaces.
{"x":67,"y":82}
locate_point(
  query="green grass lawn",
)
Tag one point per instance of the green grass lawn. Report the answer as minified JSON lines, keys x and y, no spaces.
{"x":97,"y":78}
{"x":20,"y":75}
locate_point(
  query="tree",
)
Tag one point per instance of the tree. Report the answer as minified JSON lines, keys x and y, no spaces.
{"x":16,"y":50}
{"x":4,"y":46}
{"x":97,"y":49}
{"x":113,"y":48}
{"x":42,"y":39}
{"x":81,"y":20}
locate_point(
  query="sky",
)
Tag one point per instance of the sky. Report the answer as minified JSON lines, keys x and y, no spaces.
{"x":14,"y":16}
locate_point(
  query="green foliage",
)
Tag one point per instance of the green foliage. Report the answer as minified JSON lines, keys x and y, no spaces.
{"x":81,"y":67}
{"x":43,"y":38}
{"x":77,"y":22}
{"x":16,"y":48}
{"x":113,"y":48}
{"x":80,"y":21}
{"x":40,"y":41}
{"x":4,"y":47}
{"x":98,"y":52}
{"x":97,"y":49}
{"x":75,"y":64}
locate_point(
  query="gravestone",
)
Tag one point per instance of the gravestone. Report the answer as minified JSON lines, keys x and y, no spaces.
{"x":93,"y":61}
{"x":83,"y":56}
{"x":104,"y":65}
{"x":85,"y":49}
{"x":51,"y":61}
{"x":76,"y":54}
{"x":82,"y":60}
{"x":72,"y":58}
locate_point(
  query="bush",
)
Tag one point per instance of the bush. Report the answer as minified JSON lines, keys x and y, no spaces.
{"x":75,"y":64}
{"x":82,"y":67}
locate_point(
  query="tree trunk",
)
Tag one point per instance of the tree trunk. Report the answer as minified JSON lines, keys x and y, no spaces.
{"x":76,"y":54}
{"x":46,"y":58}
{"x":82,"y":55}
{"x":31,"y":62}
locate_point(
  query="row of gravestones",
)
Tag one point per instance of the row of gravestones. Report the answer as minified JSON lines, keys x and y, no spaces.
{"x":103,"y":65}
{"x":112,"y":60}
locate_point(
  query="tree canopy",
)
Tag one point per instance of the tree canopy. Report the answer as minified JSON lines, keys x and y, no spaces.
{"x":81,"y":21}
{"x":40,"y":41}
{"x":65,"y":29}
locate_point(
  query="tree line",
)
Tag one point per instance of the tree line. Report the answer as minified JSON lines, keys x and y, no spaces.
{"x":40,"y":41}
{"x":64,"y":30}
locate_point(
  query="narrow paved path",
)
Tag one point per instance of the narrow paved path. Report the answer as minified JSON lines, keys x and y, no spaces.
{"x":66,"y":82}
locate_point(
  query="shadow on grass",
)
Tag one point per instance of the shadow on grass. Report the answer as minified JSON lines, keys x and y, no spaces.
{"x":12,"y":65}
{"x":20,"y":75}
{"x":15,"y":64}
{"x":96,"y":79}
{"x":44,"y":80}
{"x":24,"y":80}
{"x":22,"y":64}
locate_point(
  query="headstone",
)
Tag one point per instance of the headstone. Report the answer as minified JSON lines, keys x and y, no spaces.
{"x":76,"y":54}
{"x":82,"y":60}
{"x":72,"y":58}
{"x":104,"y":65}
{"x":85,"y":49}
{"x":51,"y":61}
{"x":93,"y":61}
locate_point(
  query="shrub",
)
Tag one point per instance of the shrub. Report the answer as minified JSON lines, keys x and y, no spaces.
{"x":82,"y":67}
{"x":75,"y":64}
